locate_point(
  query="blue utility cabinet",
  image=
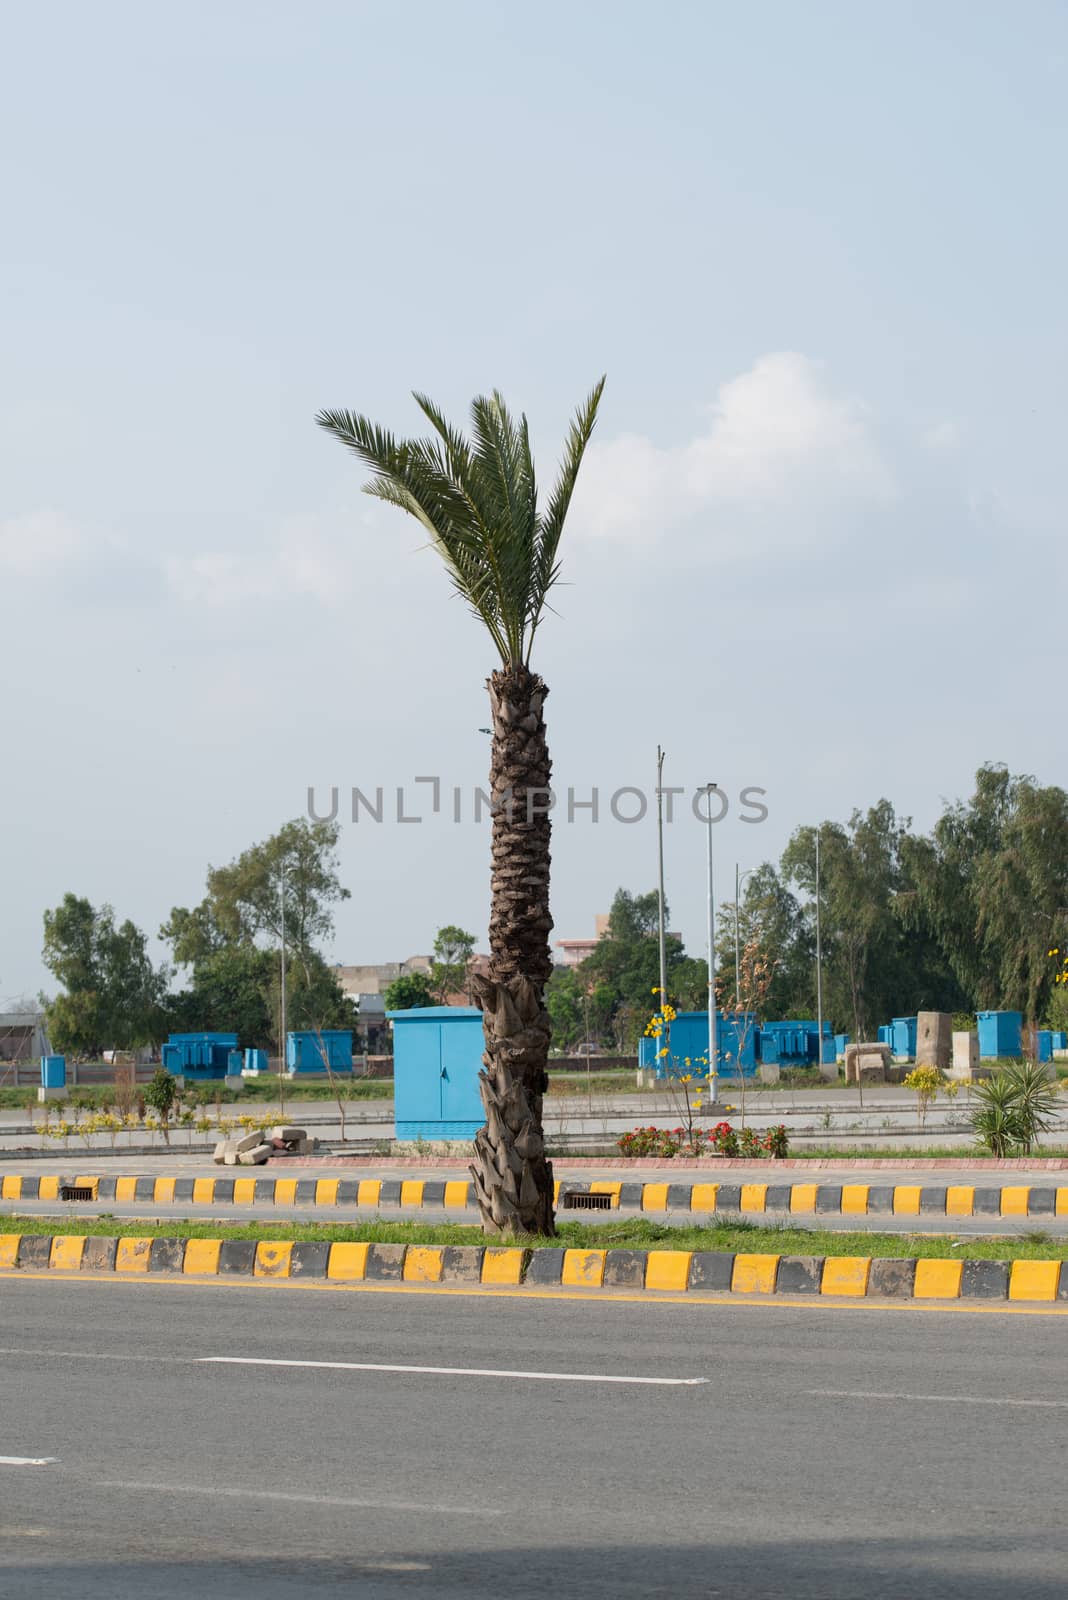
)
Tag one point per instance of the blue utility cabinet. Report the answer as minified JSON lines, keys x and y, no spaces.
{"x":437,"y":1054}
{"x":198,"y":1055}
{"x":1000,"y":1034}
{"x":1060,"y":1040}
{"x":305,"y":1052}
{"x":795,"y":1043}
{"x":689,"y":1040}
{"x":903,"y":1036}
{"x":53,"y":1072}
{"x":1044,"y":1044}
{"x":840,"y":1042}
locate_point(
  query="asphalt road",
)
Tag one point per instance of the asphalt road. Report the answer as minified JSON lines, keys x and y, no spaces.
{"x":831,"y":1451}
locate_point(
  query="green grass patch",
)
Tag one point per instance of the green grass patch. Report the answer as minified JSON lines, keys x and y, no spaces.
{"x":637,"y":1234}
{"x":100,"y":1096}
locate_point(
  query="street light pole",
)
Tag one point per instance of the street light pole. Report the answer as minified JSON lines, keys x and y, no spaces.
{"x":713,"y":1041}
{"x":282,"y":901}
{"x":819,"y":966}
{"x":660,"y":879}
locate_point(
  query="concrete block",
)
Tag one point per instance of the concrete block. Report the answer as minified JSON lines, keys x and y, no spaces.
{"x":546,"y":1266}
{"x":984,"y":1280}
{"x":248,"y":1141}
{"x":306,"y":1147}
{"x":99,"y":1254}
{"x":462,"y":1263}
{"x":769,"y":1072}
{"x":799,"y":1275}
{"x":892,"y":1276}
{"x":385,"y":1261}
{"x":230,"y":1156}
{"x":934,"y":1039}
{"x":44,"y":1095}
{"x":624,"y":1269}
{"x":234,"y":1082}
{"x":867,"y":1063}
{"x":310,"y":1258}
{"x":218,"y":1155}
{"x":166,"y":1255}
{"x":254,"y":1157}
{"x":286,"y":1133}
{"x":964,"y":1056}
{"x":711,"y":1269}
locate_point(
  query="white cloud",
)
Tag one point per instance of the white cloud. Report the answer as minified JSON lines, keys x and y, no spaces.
{"x":40,"y":543}
{"x":943,"y":437}
{"x":301,"y":562}
{"x":778,"y":440}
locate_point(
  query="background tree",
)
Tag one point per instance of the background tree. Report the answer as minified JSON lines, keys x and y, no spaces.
{"x":477,"y":499}
{"x":231,"y":941}
{"x":580,"y":1006}
{"x":453,"y":949}
{"x":408,"y":991}
{"x":114,"y":995}
{"x":992,"y":884}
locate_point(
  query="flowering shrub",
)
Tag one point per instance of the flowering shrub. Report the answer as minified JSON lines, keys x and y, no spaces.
{"x":722,"y":1140}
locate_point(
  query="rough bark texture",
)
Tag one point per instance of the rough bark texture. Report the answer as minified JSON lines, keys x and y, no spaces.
{"x":513,"y":1180}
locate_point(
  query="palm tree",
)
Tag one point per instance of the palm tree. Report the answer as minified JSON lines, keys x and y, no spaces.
{"x":477,"y":499}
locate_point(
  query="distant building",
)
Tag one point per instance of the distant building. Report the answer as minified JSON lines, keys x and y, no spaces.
{"x":23,"y":1036}
{"x":574,"y":951}
{"x":356,"y":981}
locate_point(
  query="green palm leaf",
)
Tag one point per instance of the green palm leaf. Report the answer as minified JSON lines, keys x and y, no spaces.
{"x":477,"y":499}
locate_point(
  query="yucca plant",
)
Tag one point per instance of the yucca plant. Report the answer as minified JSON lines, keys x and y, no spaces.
{"x":477,"y":500}
{"x":1014,"y":1108}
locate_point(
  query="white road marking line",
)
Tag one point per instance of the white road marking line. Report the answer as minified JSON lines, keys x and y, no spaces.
{"x":451,"y":1372}
{"x":27,"y":1461}
{"x":335,"y":1501}
{"x":948,"y":1399}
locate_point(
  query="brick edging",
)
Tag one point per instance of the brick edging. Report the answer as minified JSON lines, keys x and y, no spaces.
{"x":506,"y":1266}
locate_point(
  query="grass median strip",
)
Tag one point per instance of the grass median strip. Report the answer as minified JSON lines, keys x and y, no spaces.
{"x":634,"y":1234}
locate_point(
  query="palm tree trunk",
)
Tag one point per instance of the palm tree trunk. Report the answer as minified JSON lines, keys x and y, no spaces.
{"x":513,"y":1180}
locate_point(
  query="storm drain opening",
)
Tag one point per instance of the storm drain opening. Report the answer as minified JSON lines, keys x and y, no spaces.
{"x":573,"y":1201}
{"x":76,"y":1191}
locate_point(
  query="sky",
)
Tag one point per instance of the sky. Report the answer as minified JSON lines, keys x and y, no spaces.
{"x":818,"y":544}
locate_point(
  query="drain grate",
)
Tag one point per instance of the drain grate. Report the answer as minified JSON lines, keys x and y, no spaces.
{"x":573,"y":1201}
{"x":76,"y":1191}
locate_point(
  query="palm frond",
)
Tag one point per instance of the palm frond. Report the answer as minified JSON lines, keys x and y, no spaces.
{"x":546,"y":570}
{"x":478,"y":502}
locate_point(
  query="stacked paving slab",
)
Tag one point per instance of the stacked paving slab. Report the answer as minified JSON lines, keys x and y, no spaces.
{"x":253,"y":1149}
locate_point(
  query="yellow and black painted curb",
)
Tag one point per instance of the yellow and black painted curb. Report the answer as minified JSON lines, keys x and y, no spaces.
{"x":797,"y":1199}
{"x":667,"y":1271}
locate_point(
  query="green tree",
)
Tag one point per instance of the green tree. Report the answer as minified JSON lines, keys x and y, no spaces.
{"x":992,"y":884}
{"x":297,"y":865}
{"x":580,"y":1006}
{"x":478,"y":502}
{"x":410,"y":990}
{"x":626,"y":959}
{"x":114,"y":995}
{"x":453,"y":949}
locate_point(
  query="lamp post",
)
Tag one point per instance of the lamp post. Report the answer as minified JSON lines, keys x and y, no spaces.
{"x":738,"y":881}
{"x":282,"y":903}
{"x":713,"y":1053}
{"x":819,"y":968}
{"x":660,"y":877}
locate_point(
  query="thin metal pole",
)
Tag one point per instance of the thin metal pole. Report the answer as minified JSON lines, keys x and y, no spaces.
{"x":282,"y":893}
{"x":713,"y":1040}
{"x":737,"y":939}
{"x":660,"y":849}
{"x":819,"y":965}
